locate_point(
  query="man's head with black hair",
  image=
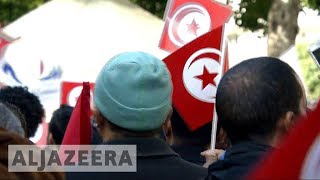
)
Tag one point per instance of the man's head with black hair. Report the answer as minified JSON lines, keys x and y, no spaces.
{"x":259,"y":99}
{"x":59,"y":123}
{"x":28,"y":103}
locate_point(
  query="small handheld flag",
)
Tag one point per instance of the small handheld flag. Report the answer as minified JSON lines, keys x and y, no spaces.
{"x":188,"y":20}
{"x":195,"y":70}
{"x":78,"y":131}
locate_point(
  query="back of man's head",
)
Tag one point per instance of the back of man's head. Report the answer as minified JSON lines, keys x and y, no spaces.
{"x":254,"y":95}
{"x":133,"y":92}
{"x":28,"y":103}
{"x":59,"y":122}
{"x":9,"y":121}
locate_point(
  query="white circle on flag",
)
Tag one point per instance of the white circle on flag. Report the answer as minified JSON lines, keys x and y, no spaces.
{"x":185,"y":16}
{"x":194,"y":67}
{"x":311,"y":165}
{"x":74,"y":95}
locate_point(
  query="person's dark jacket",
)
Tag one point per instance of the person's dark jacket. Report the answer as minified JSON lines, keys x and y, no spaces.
{"x":155,"y":160}
{"x":8,"y":138}
{"x":239,"y":159}
{"x":190,"y":153}
{"x":95,"y":137}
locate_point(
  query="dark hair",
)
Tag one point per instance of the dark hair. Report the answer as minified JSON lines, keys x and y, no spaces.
{"x":130,"y":133}
{"x":200,"y":137}
{"x":254,"y":95}
{"x":16,"y":111}
{"x":59,"y":122}
{"x":28,"y":104}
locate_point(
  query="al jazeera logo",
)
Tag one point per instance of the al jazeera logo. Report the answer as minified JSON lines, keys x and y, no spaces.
{"x":72,"y":158}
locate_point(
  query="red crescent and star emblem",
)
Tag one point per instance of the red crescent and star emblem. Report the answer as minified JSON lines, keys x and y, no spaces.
{"x":207,"y":78}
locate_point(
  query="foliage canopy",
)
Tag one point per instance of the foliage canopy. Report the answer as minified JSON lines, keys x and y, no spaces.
{"x":156,"y":7}
{"x":11,"y":10}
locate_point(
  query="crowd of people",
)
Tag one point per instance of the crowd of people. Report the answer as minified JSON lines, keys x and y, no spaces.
{"x":258,"y":102}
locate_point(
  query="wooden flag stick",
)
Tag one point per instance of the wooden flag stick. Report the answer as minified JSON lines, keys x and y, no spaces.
{"x":215,"y":117}
{"x":214,"y":129}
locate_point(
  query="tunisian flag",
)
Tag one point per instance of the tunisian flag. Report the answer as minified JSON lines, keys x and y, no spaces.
{"x":186,"y":20}
{"x":78,"y":131}
{"x":70,"y":92}
{"x":196,"y":70}
{"x":298,"y":157}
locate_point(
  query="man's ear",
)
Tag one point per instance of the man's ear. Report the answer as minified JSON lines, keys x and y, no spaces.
{"x":99,"y":119}
{"x":167,"y":129}
{"x":103,"y":126}
{"x":286,"y":123}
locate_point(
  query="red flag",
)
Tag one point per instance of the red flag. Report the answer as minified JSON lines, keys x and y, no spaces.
{"x":78,"y":131}
{"x":70,"y":92}
{"x":298,"y":157}
{"x":3,"y":42}
{"x":185,"y":20}
{"x":195,"y":70}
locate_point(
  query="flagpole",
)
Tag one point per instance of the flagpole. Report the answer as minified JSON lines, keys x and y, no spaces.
{"x":214,"y":129}
{"x":215,"y":117}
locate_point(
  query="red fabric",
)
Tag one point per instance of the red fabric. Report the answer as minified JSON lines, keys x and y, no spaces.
{"x":288,"y":161}
{"x":219,"y":14}
{"x":3,"y":42}
{"x":5,"y":39}
{"x":195,"y":112}
{"x":67,"y":87}
{"x":78,"y":131}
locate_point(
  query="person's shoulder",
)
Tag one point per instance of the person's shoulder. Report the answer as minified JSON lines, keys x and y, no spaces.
{"x":190,"y":168}
{"x":225,"y":169}
{"x":171,"y":167}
